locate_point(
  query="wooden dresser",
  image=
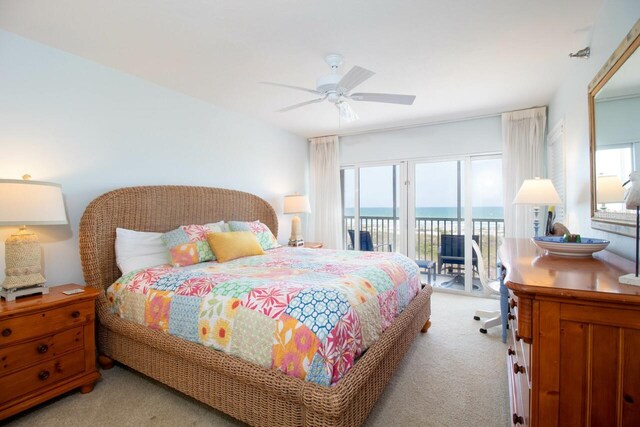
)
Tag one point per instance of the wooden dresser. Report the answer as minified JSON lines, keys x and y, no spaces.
{"x":575,"y":359}
{"x":47,"y":347}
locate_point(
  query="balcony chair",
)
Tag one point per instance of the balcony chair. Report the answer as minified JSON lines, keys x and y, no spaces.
{"x":366,"y":242}
{"x":488,"y":289}
{"x":451,"y":251}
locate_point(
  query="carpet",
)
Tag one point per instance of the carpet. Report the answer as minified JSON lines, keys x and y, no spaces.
{"x":452,"y":376}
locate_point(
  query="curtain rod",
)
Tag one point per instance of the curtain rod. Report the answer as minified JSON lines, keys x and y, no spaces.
{"x":417,"y":125}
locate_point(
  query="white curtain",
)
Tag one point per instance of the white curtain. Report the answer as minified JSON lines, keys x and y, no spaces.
{"x":523,"y":135}
{"x":326,"y":201}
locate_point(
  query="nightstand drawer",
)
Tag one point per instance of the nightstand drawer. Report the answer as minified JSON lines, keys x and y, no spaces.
{"x":41,"y":376}
{"x":37,"y":324}
{"x":20,"y":355}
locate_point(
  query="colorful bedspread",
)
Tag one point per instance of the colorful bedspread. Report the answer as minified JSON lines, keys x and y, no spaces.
{"x":307,"y":312}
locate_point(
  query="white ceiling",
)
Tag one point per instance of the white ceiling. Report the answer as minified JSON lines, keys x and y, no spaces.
{"x":461,"y":58}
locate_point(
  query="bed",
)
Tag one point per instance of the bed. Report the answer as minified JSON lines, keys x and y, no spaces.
{"x":246,"y":391}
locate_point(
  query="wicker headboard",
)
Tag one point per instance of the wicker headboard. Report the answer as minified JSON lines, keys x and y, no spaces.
{"x":157,"y":208}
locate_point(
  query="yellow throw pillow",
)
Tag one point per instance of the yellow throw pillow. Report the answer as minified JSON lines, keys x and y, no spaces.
{"x":234,"y":244}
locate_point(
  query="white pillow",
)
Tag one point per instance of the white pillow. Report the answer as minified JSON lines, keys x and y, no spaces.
{"x":139,"y":249}
{"x":218,"y":226}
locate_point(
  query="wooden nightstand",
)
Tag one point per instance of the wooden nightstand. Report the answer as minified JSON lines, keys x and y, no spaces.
{"x":47,"y":347}
{"x":313,"y":245}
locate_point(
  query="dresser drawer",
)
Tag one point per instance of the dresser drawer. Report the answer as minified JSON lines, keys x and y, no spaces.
{"x":20,"y":355}
{"x":518,"y":417}
{"x":40,"y":323}
{"x":522,"y":355}
{"x":41,"y":375}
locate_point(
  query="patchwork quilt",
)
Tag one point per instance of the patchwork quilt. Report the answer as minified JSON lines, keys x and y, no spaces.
{"x":307,"y":312}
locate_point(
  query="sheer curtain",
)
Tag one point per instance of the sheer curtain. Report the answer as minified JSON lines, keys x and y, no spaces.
{"x":522,"y":158}
{"x":326,"y":201}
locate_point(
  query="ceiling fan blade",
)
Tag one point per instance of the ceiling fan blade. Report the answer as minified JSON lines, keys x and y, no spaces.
{"x":293,"y":87}
{"x":389,"y":98}
{"x":302,"y":104}
{"x":354,"y":77}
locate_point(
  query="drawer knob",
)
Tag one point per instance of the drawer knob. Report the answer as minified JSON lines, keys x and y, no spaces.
{"x":43,"y":348}
{"x":513,"y":303}
{"x":75,"y":314}
{"x":511,"y":316}
{"x":517,"y":419}
{"x":518,"y":337}
{"x":6,"y":332}
{"x":510,"y":351}
{"x":43,"y":375}
{"x":517,"y":369}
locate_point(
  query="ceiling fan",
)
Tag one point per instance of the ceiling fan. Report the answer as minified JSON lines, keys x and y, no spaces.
{"x":337,"y":89}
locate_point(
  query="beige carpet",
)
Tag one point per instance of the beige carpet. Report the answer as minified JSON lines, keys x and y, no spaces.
{"x":452,"y":376}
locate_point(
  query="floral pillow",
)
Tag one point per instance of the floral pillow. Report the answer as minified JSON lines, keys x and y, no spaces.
{"x":188,"y":244}
{"x":265,"y":236}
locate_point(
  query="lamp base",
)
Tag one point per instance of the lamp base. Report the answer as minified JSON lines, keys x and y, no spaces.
{"x":296,"y":232}
{"x":630,"y":279}
{"x":23,"y":261}
{"x":12,"y":294}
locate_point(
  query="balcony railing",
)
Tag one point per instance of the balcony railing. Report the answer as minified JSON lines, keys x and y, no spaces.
{"x":385,"y":232}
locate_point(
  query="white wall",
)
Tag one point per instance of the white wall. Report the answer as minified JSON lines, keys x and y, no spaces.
{"x":474,"y":136}
{"x":570,"y":101}
{"x":93,"y":129}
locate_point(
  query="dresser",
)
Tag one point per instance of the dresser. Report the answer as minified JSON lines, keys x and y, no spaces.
{"x":575,"y":353}
{"x":47,"y":347}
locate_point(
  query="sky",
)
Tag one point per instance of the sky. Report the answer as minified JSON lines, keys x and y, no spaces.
{"x":435,"y":184}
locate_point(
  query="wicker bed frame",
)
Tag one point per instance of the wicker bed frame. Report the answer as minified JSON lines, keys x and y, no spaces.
{"x":248,"y":392}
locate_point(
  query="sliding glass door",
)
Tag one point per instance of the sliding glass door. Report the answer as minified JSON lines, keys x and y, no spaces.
{"x":418,"y":208}
{"x":438,"y":209}
{"x":487,"y":212}
{"x":372,"y":208}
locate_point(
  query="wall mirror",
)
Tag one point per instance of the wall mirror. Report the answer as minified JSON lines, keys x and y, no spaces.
{"x":614,"y":122}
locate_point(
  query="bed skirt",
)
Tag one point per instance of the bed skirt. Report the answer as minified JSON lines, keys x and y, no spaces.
{"x":259,"y":396}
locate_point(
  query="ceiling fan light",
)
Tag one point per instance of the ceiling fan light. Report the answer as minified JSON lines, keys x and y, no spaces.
{"x":346,"y":113}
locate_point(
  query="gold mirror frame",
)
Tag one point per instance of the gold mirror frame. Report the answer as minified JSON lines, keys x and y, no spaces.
{"x":614,"y":222}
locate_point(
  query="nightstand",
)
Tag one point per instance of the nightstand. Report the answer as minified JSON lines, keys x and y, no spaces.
{"x":313,"y":245}
{"x":47,"y":347}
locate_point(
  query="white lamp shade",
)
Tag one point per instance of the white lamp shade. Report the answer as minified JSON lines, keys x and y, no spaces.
{"x":31,"y":203}
{"x":537,"y":192}
{"x":296,"y":204}
{"x":609,"y":189}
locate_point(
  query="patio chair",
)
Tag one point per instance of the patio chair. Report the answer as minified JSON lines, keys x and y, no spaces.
{"x":451,"y":251}
{"x":366,"y":242}
{"x":494,"y":318}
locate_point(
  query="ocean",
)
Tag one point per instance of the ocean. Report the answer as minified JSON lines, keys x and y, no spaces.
{"x":488,"y":212}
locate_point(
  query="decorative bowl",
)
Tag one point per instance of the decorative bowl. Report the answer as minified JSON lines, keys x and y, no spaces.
{"x":556,"y":246}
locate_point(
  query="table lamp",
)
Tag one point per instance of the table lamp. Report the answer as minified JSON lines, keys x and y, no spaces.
{"x":296,"y":204}
{"x":609,"y":190}
{"x":537,"y":192}
{"x":24,"y":202}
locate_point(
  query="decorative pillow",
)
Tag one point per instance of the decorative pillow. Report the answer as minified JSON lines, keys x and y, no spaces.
{"x":188,"y":245}
{"x":139,"y":249}
{"x":265,"y":236}
{"x":234,"y":244}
